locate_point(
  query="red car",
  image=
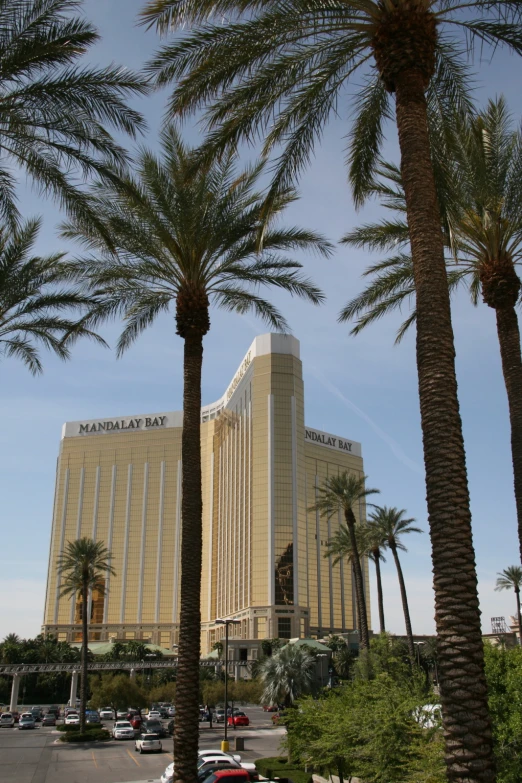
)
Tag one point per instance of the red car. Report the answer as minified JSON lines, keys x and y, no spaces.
{"x":135,"y":721}
{"x":229,"y":776}
{"x":239,"y":719}
{"x":269,"y":708}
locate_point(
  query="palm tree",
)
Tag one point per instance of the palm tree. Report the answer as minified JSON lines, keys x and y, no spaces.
{"x":34,"y":292}
{"x":481,"y":204}
{"x":511,"y":579}
{"x":341,"y":494}
{"x":280,"y":70}
{"x":390,"y":525}
{"x":83,"y":566}
{"x":374,"y":546}
{"x":286,"y":675}
{"x":187,"y":235}
{"x":54,"y":115}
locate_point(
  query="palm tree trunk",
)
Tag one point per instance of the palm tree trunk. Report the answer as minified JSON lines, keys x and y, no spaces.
{"x":404,"y":599}
{"x":467,"y":726}
{"x":85,"y":643}
{"x":364,"y":642}
{"x":519,"y":618}
{"x":509,"y":340}
{"x":380,"y":599}
{"x":186,"y":727}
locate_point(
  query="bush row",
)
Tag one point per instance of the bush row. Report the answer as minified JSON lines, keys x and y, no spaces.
{"x":280,"y":767}
{"x":75,"y":727}
{"x":97,"y":735}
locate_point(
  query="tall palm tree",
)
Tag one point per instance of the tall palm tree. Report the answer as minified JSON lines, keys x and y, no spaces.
{"x":481,"y":204}
{"x":511,"y":579}
{"x":186,"y":235}
{"x":54,"y":115}
{"x":287,"y":674}
{"x":83,"y":566}
{"x":37,"y":299}
{"x":374,"y":548}
{"x":280,"y":68}
{"x":391,"y":525}
{"x":341,"y":494}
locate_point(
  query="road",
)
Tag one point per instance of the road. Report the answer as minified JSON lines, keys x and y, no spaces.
{"x":36,"y":756}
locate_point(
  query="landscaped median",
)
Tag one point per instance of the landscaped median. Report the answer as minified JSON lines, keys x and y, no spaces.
{"x":92,"y":733}
{"x":280,"y":767}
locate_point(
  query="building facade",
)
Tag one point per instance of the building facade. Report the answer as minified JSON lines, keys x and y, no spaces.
{"x":118,"y":480}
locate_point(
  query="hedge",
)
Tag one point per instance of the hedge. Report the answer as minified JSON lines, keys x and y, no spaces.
{"x":279,"y":767}
{"x":75,"y":727}
{"x":101,"y":735}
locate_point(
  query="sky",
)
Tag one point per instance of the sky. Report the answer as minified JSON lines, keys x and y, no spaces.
{"x":362,"y":388}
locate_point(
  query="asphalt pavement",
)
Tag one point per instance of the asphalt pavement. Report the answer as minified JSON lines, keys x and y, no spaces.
{"x":37,"y":755}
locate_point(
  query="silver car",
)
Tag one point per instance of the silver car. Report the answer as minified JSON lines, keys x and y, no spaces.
{"x":26,"y":722}
{"x":123,"y":730}
{"x":6,"y":719}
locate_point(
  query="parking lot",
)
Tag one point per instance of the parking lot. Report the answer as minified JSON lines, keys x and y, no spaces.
{"x":36,"y":756}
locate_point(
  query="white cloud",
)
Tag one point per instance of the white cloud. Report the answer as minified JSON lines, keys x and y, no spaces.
{"x":21,"y":606}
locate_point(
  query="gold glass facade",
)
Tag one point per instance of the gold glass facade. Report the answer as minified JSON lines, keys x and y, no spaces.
{"x":119,"y":481}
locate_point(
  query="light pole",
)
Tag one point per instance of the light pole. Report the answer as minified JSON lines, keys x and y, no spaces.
{"x":226,"y":623}
{"x":418,"y":646}
{"x":321,"y":656}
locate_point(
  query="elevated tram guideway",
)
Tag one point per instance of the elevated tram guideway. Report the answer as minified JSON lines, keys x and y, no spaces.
{"x":17,"y":670}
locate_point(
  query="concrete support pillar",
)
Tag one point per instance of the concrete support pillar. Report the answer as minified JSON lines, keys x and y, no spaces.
{"x":74,"y":689}
{"x":14,"y":692}
{"x":133,"y":674}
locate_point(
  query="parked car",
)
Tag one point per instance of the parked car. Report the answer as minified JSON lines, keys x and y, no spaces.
{"x":154,"y":715}
{"x":153,"y":727}
{"x":220,"y":716}
{"x":206,"y":770}
{"x":27,"y":721}
{"x":37,"y":714}
{"x":92,"y":717}
{"x":218,"y":753}
{"x":107,"y":713}
{"x":121,"y":715}
{"x":276,"y":717}
{"x":68,"y":710}
{"x":122,"y":730}
{"x":229,"y":776}
{"x":16,"y":715}
{"x":270,"y":708}
{"x":170,"y":727}
{"x":238,"y":719}
{"x":72,"y":719}
{"x":148,"y":743}
{"x":55,"y":710}
{"x":135,"y":721}
{"x":172,"y":712}
{"x":7,"y":720}
{"x":49,"y":719}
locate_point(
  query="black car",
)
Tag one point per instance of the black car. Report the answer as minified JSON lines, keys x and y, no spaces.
{"x":36,"y":712}
{"x":170,"y":727}
{"x":153,"y":727}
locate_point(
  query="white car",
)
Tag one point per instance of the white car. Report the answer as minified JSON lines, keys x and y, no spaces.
{"x":6,"y":719}
{"x":121,"y":714}
{"x":219,"y":753}
{"x":123,"y":730}
{"x":172,"y":712}
{"x":107,"y":713}
{"x":148,"y":743}
{"x":72,"y":719}
{"x":154,"y":715}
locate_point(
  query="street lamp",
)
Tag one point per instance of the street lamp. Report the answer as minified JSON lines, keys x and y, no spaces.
{"x":226,"y":623}
{"x":418,"y":646}
{"x":322,"y":655}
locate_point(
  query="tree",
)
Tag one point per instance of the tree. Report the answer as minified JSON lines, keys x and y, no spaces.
{"x":34,"y":294}
{"x":279,"y":70}
{"x":83,"y":567}
{"x":340,"y":495}
{"x":374,"y":547}
{"x":511,"y":579}
{"x":481,"y":206}
{"x":187,"y":235}
{"x":504,"y":675}
{"x":286,"y":675}
{"x":391,"y":525}
{"x":117,"y":691}
{"x":54,"y":115}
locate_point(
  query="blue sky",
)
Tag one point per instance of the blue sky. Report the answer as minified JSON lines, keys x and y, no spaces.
{"x":364,"y":388}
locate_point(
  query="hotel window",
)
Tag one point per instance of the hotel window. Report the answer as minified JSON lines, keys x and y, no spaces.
{"x":284,"y":627}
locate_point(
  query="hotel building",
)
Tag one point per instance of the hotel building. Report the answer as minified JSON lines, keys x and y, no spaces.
{"x":118,"y":480}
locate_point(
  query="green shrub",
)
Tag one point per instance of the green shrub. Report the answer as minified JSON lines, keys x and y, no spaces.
{"x":280,"y":767}
{"x":99,"y":735}
{"x":75,"y":727}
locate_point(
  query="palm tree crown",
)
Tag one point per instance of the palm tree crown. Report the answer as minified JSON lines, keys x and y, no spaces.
{"x":287,"y":675}
{"x":510,"y":579}
{"x":54,"y":115}
{"x":189,"y":234}
{"x":34,"y":292}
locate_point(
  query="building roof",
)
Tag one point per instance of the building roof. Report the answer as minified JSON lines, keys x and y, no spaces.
{"x":313,"y":643}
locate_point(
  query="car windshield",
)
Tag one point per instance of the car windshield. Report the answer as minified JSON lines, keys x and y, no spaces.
{"x":149,"y":737}
{"x":123,"y":724}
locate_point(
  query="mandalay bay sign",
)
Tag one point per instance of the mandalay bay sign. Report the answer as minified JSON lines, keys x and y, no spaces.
{"x":115,"y":425}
